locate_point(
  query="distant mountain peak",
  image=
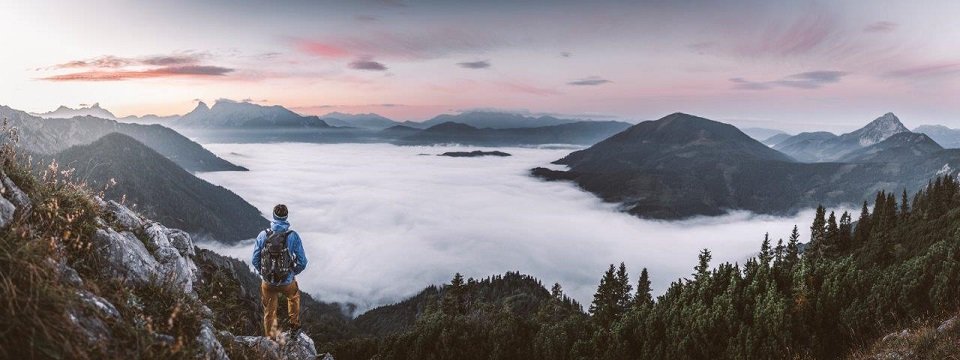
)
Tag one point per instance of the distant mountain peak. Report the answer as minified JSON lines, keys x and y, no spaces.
{"x":880,"y":129}
{"x":66,"y":112}
{"x":201,"y":106}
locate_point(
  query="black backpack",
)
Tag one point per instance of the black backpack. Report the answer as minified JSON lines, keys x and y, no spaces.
{"x":276,"y":263}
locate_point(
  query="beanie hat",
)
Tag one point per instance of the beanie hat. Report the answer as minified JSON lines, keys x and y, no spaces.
{"x":280,"y":212}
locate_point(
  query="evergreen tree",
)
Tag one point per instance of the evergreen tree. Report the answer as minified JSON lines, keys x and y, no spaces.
{"x":818,"y":233}
{"x":643,"y":297}
{"x":605,"y":302}
{"x":792,"y":256}
{"x":831,"y":237}
{"x":904,"y":206}
{"x":844,"y":237}
{"x":702,"y":270}
{"x":556,"y":291}
{"x":862,"y":233}
{"x":623,"y":289}
{"x":765,"y":253}
{"x":453,"y":298}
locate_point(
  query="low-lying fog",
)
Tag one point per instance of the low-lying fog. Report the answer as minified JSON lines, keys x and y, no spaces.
{"x":381,"y":222}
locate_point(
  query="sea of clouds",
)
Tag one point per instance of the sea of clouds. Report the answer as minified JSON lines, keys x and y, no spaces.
{"x":381,"y":222}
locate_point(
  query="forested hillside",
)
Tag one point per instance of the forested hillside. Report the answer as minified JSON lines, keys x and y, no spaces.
{"x":854,"y":281}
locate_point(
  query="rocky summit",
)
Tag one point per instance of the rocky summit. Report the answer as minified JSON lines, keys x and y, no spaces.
{"x":136,"y":278}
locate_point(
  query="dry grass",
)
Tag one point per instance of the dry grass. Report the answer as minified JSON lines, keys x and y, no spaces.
{"x":922,"y":341}
{"x":36,"y":303}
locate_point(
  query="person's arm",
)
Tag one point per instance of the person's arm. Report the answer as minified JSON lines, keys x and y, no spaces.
{"x":297,"y":247}
{"x":256,"y":250}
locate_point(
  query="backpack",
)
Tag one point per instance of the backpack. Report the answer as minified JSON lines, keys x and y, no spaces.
{"x":276,"y":263}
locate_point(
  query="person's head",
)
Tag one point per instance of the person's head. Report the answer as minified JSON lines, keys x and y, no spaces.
{"x":280,"y":212}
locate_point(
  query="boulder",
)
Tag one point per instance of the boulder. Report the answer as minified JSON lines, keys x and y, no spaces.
{"x":123,"y":216}
{"x":124,"y":256}
{"x":7,"y":210}
{"x":182,"y":241}
{"x":15,"y":196}
{"x":98,"y":304}
{"x":949,"y":324}
{"x":177,"y":269}
{"x":301,"y":348}
{"x":210,"y":347}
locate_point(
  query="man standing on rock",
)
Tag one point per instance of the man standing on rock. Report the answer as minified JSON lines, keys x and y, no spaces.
{"x":279,"y":257}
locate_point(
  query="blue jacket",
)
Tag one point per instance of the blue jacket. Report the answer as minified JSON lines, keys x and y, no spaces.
{"x":293,"y":245}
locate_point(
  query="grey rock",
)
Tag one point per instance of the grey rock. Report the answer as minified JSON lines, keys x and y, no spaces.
{"x":66,"y":273}
{"x":327,"y":356}
{"x":948,"y":325}
{"x":182,"y":241}
{"x":7,"y":210}
{"x":125,"y":217}
{"x":177,"y":270}
{"x":210,"y":347}
{"x":95,"y":332}
{"x":124,"y":256}
{"x":16,"y":196}
{"x":157,"y":234}
{"x":164,"y":338}
{"x":301,"y":348}
{"x":98,"y":304}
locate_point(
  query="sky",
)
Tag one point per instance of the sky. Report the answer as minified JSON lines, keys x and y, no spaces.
{"x":791,"y":65}
{"x":382,"y":222}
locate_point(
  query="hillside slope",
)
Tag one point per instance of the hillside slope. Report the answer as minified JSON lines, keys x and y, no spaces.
{"x":48,"y":136}
{"x":90,"y":279}
{"x":127,"y":170}
{"x":682,"y":166}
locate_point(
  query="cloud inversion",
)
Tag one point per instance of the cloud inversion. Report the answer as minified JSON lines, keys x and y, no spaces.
{"x":383,"y":230}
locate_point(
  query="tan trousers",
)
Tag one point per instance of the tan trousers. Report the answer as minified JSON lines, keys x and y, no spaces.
{"x":268,"y":295}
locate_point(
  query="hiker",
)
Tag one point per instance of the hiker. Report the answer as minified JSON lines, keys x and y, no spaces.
{"x":278,"y":257}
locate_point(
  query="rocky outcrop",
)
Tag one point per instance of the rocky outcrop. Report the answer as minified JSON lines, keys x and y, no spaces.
{"x":284,"y":347}
{"x":148,"y":259}
{"x":14,"y":202}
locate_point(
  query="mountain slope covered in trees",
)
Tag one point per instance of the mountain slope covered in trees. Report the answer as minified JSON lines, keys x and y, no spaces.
{"x":127,"y":171}
{"x":683,"y":165}
{"x":848,"y":285}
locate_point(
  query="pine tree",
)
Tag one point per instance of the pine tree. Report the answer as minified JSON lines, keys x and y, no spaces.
{"x":604,"y":305}
{"x":556,"y":291}
{"x":904,"y":206}
{"x":643,"y":297}
{"x":862,"y":233}
{"x":818,"y":232}
{"x":702,"y":270}
{"x":623,"y":289}
{"x":792,"y":256}
{"x":844,"y":237}
{"x":831,"y":236}
{"x":453,"y":296}
{"x":765,"y":253}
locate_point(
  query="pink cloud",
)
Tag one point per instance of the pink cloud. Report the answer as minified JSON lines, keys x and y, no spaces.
{"x":169,"y":71}
{"x":322,"y":49}
{"x":799,"y":37}
{"x":391,"y":45}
